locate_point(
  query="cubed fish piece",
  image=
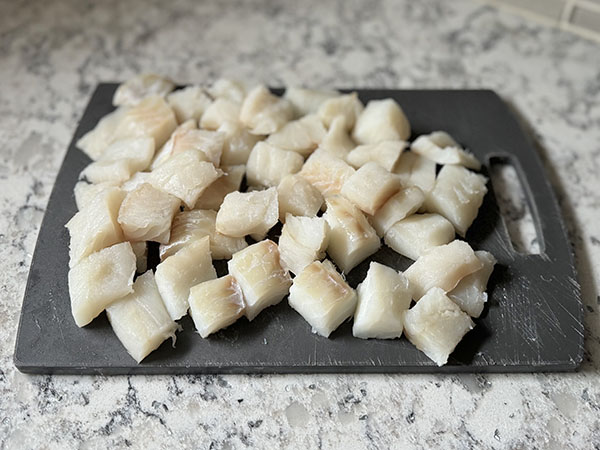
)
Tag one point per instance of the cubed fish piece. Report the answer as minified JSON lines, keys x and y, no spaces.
{"x":216,"y":304}
{"x":95,"y":226}
{"x":140,"y":320}
{"x":238,"y":143}
{"x":234,"y":90}
{"x":302,"y":241}
{"x":337,"y":141}
{"x":412,"y":236}
{"x":370,"y":187}
{"x":435,"y":325}
{"x":382,"y":120}
{"x":383,"y":298}
{"x":179,"y":272}
{"x":244,"y":213}
{"x":267,"y":165}
{"x":351,"y":238}
{"x":85,"y":192}
{"x":442,"y":266}
{"x":457,"y":195}
{"x":185,"y":175}
{"x":166,"y":151}
{"x":399,"y":206}
{"x":95,"y":141}
{"x":220,"y":111}
{"x":469,"y":294}
{"x":384,"y":153}
{"x":258,"y":271}
{"x":326,"y":172}
{"x":348,"y":106}
{"x":263,"y":112}
{"x":440,"y":148}
{"x":191,"y":226}
{"x":298,"y":197}
{"x":415,"y":170}
{"x":99,"y":279}
{"x":120,"y":161}
{"x":322,"y":297}
{"x":151,"y":117}
{"x":189,"y":103}
{"x":146,"y":214}
{"x":230,"y":181}
{"x":136,"y":181}
{"x":302,"y":136}
{"x":208,"y":143}
{"x":307,"y":101}
{"x":136,"y":89}
{"x":140,"y":250}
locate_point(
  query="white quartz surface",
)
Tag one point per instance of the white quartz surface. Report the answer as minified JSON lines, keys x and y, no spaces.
{"x":52,"y":54}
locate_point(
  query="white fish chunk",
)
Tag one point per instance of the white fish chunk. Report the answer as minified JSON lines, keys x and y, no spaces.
{"x":191,"y":226}
{"x":383,"y":298}
{"x":85,"y":192}
{"x":135,"y":181}
{"x":258,"y":271}
{"x":238,"y":143}
{"x":230,"y":181}
{"x":382,"y":120}
{"x":302,"y":136}
{"x":442,"y":266}
{"x":95,"y":141}
{"x":307,"y":101}
{"x":302,"y":241}
{"x":234,"y":90}
{"x":140,"y":320}
{"x":337,"y":141}
{"x":370,"y":187}
{"x":95,"y":226}
{"x":384,"y":153}
{"x":415,"y":170}
{"x":298,"y":197}
{"x":399,"y":206}
{"x":166,"y":151}
{"x":348,"y":106}
{"x":457,"y":195}
{"x":263,"y":112}
{"x":151,"y":117}
{"x":442,"y":149}
{"x":469,"y":294}
{"x":244,"y":213}
{"x":140,"y":250}
{"x":326,"y":172}
{"x":99,"y":279}
{"x":179,"y":272}
{"x":322,"y":297}
{"x":220,"y":111}
{"x":267,"y":165}
{"x":121,"y":160}
{"x":208,"y":143}
{"x":216,"y":304}
{"x":351,"y":238}
{"x":414,"y":235}
{"x":141,"y":86}
{"x":189,"y":103}
{"x":185,"y":175}
{"x":146,"y":214}
{"x":435,"y":325}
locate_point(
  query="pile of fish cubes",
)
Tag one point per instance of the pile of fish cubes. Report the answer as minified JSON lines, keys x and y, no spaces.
{"x":168,"y":165}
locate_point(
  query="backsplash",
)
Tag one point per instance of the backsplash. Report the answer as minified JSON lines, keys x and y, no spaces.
{"x":578,"y":16}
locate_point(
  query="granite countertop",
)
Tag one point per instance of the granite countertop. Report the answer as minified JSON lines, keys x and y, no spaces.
{"x":52,"y":54}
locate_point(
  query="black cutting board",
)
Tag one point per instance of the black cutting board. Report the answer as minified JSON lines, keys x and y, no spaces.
{"x":532,"y":321}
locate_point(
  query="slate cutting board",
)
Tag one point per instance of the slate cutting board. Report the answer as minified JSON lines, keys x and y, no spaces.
{"x":532,"y":321}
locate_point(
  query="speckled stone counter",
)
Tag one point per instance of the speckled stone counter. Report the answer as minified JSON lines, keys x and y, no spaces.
{"x":53,"y":53}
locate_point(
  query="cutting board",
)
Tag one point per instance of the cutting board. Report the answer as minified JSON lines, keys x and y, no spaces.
{"x":532,"y":321}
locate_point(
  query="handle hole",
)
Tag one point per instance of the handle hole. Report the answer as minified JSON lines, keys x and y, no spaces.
{"x":515,"y":207}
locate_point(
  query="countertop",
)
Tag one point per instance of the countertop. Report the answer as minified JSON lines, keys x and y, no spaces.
{"x":52,"y":54}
